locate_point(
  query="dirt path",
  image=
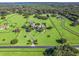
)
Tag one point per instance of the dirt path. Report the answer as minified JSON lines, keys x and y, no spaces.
{"x":68,"y":29}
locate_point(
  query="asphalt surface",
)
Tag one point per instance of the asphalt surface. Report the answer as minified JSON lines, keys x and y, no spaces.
{"x":76,"y":46}
{"x":26,"y":46}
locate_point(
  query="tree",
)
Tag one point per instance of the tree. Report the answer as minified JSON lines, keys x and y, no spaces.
{"x":26,"y":15}
{"x":3,"y":17}
{"x":24,"y":26}
{"x":47,"y":15}
{"x":28,"y":29}
{"x":48,"y":52}
{"x":19,"y":12}
{"x":62,"y":40}
{"x":62,"y":50}
{"x":3,"y":13}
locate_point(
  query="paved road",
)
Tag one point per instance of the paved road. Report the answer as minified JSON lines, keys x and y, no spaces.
{"x":76,"y":46}
{"x":26,"y":46}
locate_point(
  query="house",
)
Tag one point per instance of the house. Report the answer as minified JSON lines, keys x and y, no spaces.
{"x":4,"y":26}
{"x":59,"y":17}
{"x":16,"y":30}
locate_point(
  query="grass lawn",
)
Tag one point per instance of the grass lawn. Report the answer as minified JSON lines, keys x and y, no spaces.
{"x":74,"y":28}
{"x":71,"y":38}
{"x":21,"y":52}
{"x":16,"y":21}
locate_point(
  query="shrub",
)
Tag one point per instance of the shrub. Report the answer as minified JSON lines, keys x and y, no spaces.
{"x":47,"y":15}
{"x":29,"y":40}
{"x":24,"y":26}
{"x":28,"y":43}
{"x":48,"y":35}
{"x":26,"y":16}
{"x":14,"y":41}
{"x":3,"y":39}
{"x":25,"y":36}
{"x":35,"y":43}
{"x":53,"y":15}
{"x":44,"y":24}
{"x":62,"y":40}
{"x":35,"y":40}
{"x":37,"y":23}
{"x":50,"y":27}
{"x":41,"y":17}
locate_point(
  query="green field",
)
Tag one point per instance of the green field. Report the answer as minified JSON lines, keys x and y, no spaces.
{"x":41,"y":37}
{"x":58,"y":29}
{"x":21,"y":52}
